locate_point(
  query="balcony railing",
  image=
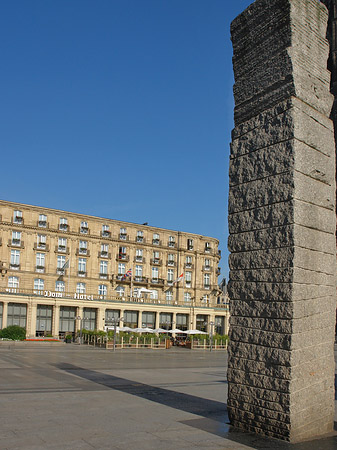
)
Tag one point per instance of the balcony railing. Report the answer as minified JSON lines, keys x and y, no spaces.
{"x":82,"y":273}
{"x":61,"y":249}
{"x":60,"y":271}
{"x":123,"y":237}
{"x":63,"y":227}
{"x":157,"y":281}
{"x":138,"y":279}
{"x":14,"y":266}
{"x":122,"y":257}
{"x":207,"y":268}
{"x":18,"y":219}
{"x":171,"y":244}
{"x":140,"y":239}
{"x":139,"y":259}
{"x":103,"y":276}
{"x":83,"y":251}
{"x":188,"y":266}
{"x":171,"y":263}
{"x":39,"y":268}
{"x":116,"y":298}
{"x":42,"y":223}
{"x":156,"y":261}
{"x":104,"y":254}
{"x":84,"y":230}
{"x":156,"y":241}
{"x":106,"y":233}
{"x":15,"y":243}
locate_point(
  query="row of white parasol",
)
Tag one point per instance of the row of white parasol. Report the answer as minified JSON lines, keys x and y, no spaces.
{"x":158,"y":330}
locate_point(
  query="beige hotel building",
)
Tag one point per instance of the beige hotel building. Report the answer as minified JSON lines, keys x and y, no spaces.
{"x":62,"y":270}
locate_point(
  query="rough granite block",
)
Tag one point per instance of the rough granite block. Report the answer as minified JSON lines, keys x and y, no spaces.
{"x":282,"y":223}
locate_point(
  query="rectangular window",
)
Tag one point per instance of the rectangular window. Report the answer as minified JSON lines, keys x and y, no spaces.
{"x":41,"y":241}
{"x":187,"y":297}
{"x":13,"y":282}
{"x":104,"y":250}
{"x":170,"y":275}
{"x":80,"y":288}
{"x":139,"y":254}
{"x":102,"y":290}
{"x":61,"y":260}
{"x":40,"y":262}
{"x":188,"y":277}
{"x":189,"y":244}
{"x":17,"y":217}
{"x":38,"y":284}
{"x":16,"y":238}
{"x":172,"y":241}
{"x":17,"y":314}
{"x":140,"y":236}
{"x":207,"y":247}
{"x":15,"y":259}
{"x":169,"y":296}
{"x":188,"y":263}
{"x":155,"y":239}
{"x":154,"y":294}
{"x":62,"y":245}
{"x":82,"y":266}
{"x":155,"y":273}
{"x":122,"y":233}
{"x":139,"y":271}
{"x":121,"y":269}
{"x":83,"y":247}
{"x":42,"y":221}
{"x":60,"y":286}
{"x":170,"y":259}
{"x":84,"y":228}
{"x":105,"y":231}
{"x":63,"y":224}
{"x":103,"y":267}
{"x":207,"y":281}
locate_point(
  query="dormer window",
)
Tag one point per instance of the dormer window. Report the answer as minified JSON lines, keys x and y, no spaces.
{"x":140,"y":236}
{"x":63,"y":224}
{"x":105,"y":231}
{"x":171,"y":241}
{"x":122,"y":234}
{"x":189,"y":244}
{"x":84,"y":228}
{"x":17,"y":217}
{"x":42,"y":223}
{"x":208,"y":247}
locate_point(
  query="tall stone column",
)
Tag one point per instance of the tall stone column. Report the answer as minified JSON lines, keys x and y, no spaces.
{"x":282,"y":223}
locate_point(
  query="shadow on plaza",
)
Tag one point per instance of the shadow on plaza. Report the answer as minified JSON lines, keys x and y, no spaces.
{"x":210,"y":409}
{"x":213,"y":415}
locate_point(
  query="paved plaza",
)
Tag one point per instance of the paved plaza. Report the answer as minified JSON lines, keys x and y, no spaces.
{"x":66,"y":396}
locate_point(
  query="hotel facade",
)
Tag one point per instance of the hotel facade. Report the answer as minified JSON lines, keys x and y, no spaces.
{"x":62,"y":271}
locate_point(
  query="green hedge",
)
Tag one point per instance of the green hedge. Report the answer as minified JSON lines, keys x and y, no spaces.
{"x":13,"y":332}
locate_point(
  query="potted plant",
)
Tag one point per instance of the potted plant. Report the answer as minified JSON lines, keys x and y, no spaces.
{"x":68,"y":338}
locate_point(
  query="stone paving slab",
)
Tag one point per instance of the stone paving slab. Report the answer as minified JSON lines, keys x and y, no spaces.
{"x":78,"y":397}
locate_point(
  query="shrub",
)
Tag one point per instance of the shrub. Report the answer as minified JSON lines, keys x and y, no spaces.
{"x":13,"y":332}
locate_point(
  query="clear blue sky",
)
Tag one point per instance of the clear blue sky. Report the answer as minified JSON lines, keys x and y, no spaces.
{"x":119,"y":108}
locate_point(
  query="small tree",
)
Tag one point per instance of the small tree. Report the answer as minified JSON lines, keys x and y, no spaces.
{"x":13,"y":332}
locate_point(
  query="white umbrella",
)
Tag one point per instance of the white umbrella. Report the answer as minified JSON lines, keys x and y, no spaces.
{"x":143,"y":330}
{"x":159,"y":330}
{"x":125,"y":329}
{"x":195,"y":332}
{"x":175,"y":330}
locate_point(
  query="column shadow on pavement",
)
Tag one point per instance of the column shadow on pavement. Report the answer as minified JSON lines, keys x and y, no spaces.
{"x":214,"y":418}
